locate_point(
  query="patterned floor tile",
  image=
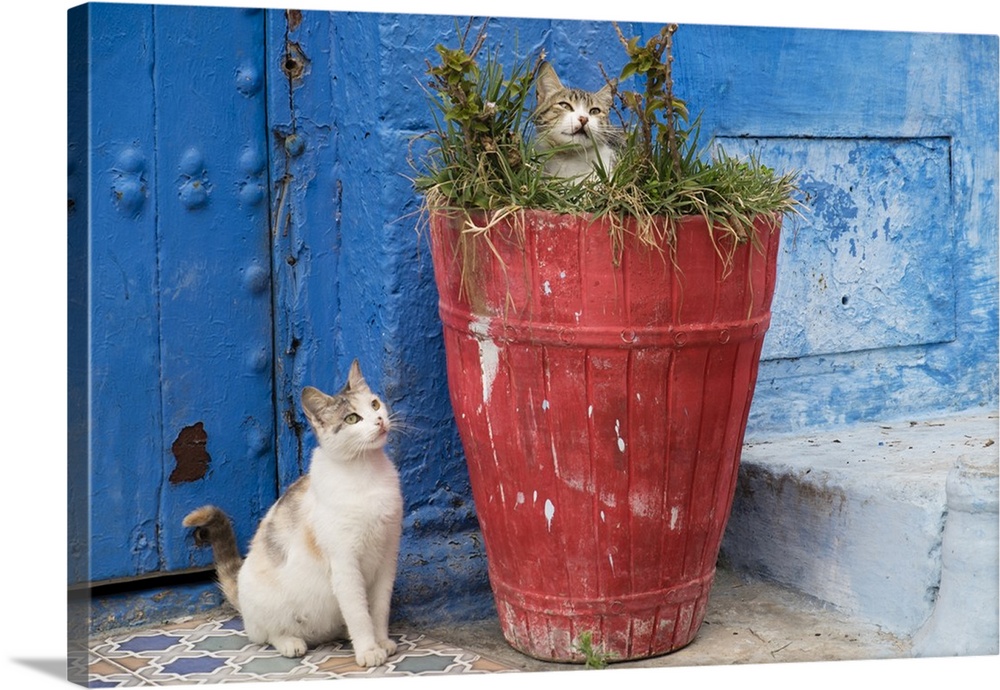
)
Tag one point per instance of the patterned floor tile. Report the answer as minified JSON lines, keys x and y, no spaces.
{"x":217,"y":650}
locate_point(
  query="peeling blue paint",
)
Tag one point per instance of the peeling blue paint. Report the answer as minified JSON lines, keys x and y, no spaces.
{"x":831,"y":205}
{"x":870,"y":264}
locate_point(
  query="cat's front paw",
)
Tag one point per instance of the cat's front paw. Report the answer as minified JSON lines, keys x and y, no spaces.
{"x":290,"y":646}
{"x":388,"y":645}
{"x":373,"y":656}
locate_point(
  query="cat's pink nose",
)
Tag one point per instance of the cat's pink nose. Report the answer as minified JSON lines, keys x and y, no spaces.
{"x":584,"y":120}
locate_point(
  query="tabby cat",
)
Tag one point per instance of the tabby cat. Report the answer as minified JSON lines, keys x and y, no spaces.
{"x":325,"y":555}
{"x":574,"y":127}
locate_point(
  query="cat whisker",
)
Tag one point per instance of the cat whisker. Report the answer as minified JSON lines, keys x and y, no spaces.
{"x":359,"y":445}
{"x":398,"y":424}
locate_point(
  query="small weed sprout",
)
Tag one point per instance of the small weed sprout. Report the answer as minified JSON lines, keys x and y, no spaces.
{"x":594,"y":658}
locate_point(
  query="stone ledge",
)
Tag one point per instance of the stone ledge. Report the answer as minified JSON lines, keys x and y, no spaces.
{"x":854,"y":516}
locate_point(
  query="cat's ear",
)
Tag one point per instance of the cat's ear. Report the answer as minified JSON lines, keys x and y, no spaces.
{"x":608,"y":92}
{"x":314,"y":402}
{"x":547,"y":82}
{"x":355,"y":380}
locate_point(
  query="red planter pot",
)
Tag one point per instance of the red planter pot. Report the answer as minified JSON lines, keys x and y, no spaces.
{"x":602,"y":410}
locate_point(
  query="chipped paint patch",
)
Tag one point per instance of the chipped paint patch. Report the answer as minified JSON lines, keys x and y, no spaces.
{"x":675,"y":514}
{"x":489,"y":354}
{"x":618,"y":433}
{"x":550,"y":511}
{"x":642,"y":505}
{"x":190,"y":450}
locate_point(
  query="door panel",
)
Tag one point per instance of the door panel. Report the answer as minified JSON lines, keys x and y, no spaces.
{"x":125,"y":416}
{"x":181,"y":410}
{"x":214,"y":275}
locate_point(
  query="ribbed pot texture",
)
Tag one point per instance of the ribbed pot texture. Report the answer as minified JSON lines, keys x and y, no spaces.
{"x":601,"y":390}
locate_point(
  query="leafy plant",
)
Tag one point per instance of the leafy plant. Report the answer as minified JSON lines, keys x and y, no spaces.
{"x":663,"y":172}
{"x":481,"y":156}
{"x":657,"y":109}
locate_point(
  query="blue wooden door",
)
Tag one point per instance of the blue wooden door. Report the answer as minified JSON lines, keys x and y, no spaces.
{"x":170,"y":229}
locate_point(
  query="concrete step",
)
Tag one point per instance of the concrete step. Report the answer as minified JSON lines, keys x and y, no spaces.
{"x":855,"y":517}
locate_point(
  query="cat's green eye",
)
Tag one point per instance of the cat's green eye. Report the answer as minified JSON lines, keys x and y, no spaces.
{"x":595,"y":111}
{"x":376,"y":404}
{"x":352,"y":418}
{"x":564,"y":104}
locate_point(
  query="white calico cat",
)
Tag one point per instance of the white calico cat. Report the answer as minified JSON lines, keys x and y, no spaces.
{"x":325,"y":555}
{"x":577,"y":124}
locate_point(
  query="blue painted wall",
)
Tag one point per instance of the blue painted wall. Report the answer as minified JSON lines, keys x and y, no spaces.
{"x":886,"y":304}
{"x":887,"y":293}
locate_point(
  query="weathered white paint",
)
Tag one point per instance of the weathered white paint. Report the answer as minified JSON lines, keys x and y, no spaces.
{"x":550,"y":511}
{"x":493,"y":445}
{"x":547,"y":288}
{"x":642,"y":504}
{"x":545,"y":405}
{"x":489,"y":354}
{"x":674,"y":516}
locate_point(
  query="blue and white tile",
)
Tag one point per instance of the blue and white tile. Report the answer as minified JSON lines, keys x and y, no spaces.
{"x":216,"y":650}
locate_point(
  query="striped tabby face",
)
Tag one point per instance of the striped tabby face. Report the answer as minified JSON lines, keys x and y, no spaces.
{"x":567,"y":116}
{"x":353,"y":421}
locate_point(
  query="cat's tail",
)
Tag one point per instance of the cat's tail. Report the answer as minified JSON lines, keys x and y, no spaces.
{"x":213,"y":527}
